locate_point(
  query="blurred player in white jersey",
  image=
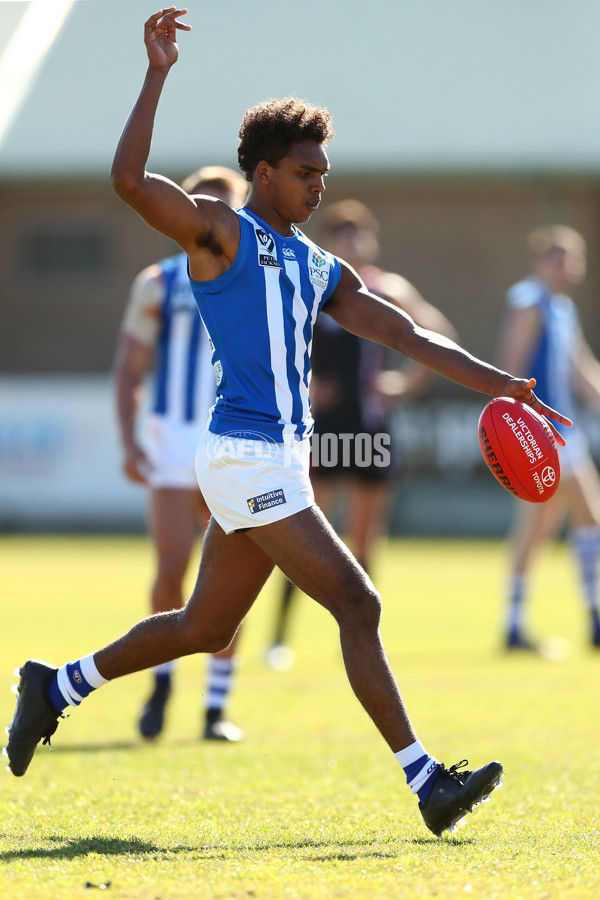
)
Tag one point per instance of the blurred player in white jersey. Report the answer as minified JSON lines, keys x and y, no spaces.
{"x":162,"y":326}
{"x":542,"y":336}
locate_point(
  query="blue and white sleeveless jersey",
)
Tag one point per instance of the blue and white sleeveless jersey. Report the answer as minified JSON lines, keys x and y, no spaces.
{"x":552,"y":358}
{"x":260,"y":316}
{"x":184,"y":380}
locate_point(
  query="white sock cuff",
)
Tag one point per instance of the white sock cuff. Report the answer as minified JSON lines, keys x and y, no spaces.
{"x":91,"y":673}
{"x":410,"y":754}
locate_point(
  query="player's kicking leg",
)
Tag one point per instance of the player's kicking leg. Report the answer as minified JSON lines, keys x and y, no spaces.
{"x":307,"y":549}
{"x":231,"y":574}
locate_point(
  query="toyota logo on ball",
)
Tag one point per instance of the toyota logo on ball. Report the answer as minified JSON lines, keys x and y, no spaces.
{"x":548,"y":476}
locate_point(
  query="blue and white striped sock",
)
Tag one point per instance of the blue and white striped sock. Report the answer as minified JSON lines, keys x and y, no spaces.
{"x":220,"y":680}
{"x":74,"y":681}
{"x":420,"y":769}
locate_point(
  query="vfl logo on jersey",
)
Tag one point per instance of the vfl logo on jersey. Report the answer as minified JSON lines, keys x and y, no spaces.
{"x":266,"y":501}
{"x":318,"y":269}
{"x":265,"y":239}
{"x":218,"y":371}
{"x":268,"y":258}
{"x":289,"y":253}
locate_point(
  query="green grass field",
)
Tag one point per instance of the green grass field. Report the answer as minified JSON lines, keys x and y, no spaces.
{"x":312,"y":805}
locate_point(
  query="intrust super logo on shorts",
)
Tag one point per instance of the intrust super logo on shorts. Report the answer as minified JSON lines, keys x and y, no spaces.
{"x":266,"y":501}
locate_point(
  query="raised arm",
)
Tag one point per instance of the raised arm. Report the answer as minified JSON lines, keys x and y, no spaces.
{"x":194,"y":223}
{"x":362,"y":313}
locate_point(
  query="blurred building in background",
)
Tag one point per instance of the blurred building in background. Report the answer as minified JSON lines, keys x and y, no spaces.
{"x":461,"y":125}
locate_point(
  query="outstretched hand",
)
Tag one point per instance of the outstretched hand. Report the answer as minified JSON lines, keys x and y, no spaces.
{"x":160,"y":36}
{"x":522,"y":389}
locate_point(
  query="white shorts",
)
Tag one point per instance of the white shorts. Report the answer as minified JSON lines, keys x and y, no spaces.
{"x":247,"y":483}
{"x":171,"y":449}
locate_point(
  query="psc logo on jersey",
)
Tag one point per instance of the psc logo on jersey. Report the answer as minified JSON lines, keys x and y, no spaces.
{"x":266,"y":501}
{"x":318,"y":269}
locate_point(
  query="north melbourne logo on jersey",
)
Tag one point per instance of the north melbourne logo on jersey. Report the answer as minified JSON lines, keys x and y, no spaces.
{"x":266,"y":501}
{"x":318,"y":269}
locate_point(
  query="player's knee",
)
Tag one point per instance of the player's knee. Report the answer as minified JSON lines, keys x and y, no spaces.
{"x":360,"y":608}
{"x":214,"y":643}
{"x":203,"y":637}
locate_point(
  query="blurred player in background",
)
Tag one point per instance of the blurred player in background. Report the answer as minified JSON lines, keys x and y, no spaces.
{"x":542,"y":336}
{"x":162,"y":326}
{"x":353,"y":389}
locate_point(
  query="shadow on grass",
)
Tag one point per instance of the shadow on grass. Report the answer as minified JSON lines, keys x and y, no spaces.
{"x":337,"y":851}
{"x":70,"y":848}
{"x":133,"y":744}
{"x":447,"y":841}
{"x":108,"y":747}
{"x":382,"y":853}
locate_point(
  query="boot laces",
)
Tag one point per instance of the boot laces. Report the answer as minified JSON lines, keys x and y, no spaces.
{"x":454,"y":773}
{"x":52,"y":728}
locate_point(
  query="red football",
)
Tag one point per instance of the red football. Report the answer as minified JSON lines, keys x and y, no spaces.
{"x":520,"y":450}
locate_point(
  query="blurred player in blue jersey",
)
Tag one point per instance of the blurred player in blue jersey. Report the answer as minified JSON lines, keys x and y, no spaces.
{"x":162,"y":325}
{"x":542,"y":335}
{"x":353,"y":389}
{"x":260,"y":283}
